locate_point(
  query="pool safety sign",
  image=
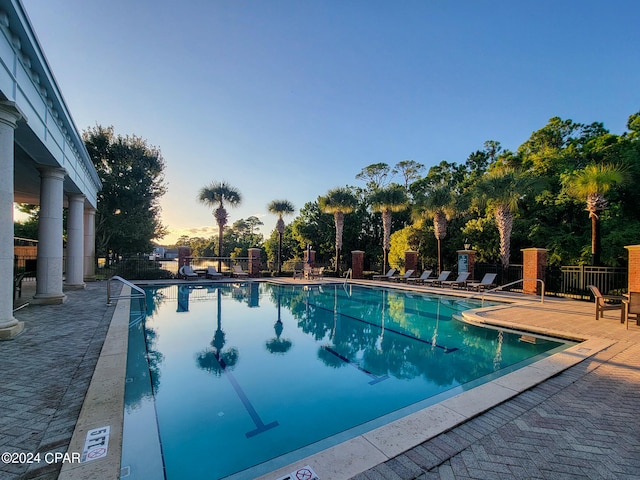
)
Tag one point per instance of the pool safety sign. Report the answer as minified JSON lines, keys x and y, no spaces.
{"x":96,"y":444}
{"x":304,"y":473}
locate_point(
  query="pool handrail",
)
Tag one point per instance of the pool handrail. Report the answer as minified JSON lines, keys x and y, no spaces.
{"x":500,"y":287}
{"x":348,"y":275}
{"x":140,"y":292}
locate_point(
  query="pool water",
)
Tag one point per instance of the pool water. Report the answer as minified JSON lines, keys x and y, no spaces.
{"x":235,"y":380}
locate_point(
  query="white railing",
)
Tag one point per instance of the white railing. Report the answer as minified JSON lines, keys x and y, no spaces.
{"x":347,"y":276}
{"x":139,"y":292}
{"x":508,"y":285}
{"x":522,"y":280}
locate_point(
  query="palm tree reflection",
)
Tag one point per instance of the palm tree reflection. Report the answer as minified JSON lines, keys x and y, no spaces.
{"x":277,"y":344}
{"x":216,"y":360}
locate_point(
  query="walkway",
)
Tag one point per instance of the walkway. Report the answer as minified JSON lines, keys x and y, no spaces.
{"x":581,"y":423}
{"x":46,"y":371}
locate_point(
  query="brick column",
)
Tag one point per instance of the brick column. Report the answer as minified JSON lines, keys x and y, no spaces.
{"x":466,"y":262}
{"x":312,"y":262}
{"x":634,"y":268}
{"x":254,"y":262}
{"x":534,"y":264}
{"x":357,"y":264}
{"x":410,"y":260}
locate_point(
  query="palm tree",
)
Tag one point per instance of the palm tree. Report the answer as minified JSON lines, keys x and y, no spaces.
{"x":216,"y":194}
{"x":386,"y":201}
{"x":593,"y":182}
{"x":280,"y":208}
{"x":501,"y":190}
{"x":438,"y":204}
{"x":338,"y":201}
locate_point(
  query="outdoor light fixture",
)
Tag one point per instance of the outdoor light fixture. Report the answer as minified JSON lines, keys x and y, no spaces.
{"x":467,"y":245}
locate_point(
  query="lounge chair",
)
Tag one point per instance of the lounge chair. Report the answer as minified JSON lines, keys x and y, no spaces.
{"x":386,"y":276}
{"x":426,"y":274}
{"x":238,"y":272}
{"x":632,"y":306}
{"x":402,"y":278}
{"x":212,"y":272}
{"x":487,"y":281}
{"x":603,"y":303}
{"x":437,"y":281}
{"x":461,"y":281}
{"x":187,"y":273}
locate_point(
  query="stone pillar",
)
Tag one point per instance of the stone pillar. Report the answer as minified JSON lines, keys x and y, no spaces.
{"x":634,"y":268}
{"x":75,"y":242}
{"x":254,"y":262}
{"x":50,"y":246}
{"x":534,"y":264}
{"x":89,"y":249}
{"x":357,"y":264}
{"x":466,"y":262}
{"x":9,"y":116}
{"x":184,"y":254}
{"x":410,"y":260}
{"x":310,"y":258}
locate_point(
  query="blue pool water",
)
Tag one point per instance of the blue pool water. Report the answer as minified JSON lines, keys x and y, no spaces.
{"x":235,"y":380}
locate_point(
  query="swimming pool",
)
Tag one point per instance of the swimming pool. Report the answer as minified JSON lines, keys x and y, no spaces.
{"x":235,"y":380}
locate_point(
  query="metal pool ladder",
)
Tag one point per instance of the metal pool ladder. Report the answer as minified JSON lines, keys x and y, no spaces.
{"x":475,"y":295}
{"x":348,"y":275}
{"x":139,"y":293}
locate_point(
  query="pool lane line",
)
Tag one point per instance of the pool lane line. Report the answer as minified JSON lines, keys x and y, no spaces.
{"x":260,"y":425}
{"x":387,"y":329}
{"x":376,"y":378}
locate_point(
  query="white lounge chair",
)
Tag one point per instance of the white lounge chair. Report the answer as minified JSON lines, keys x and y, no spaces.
{"x":458,"y":282}
{"x":386,"y":276}
{"x":487,"y":281}
{"x":426,"y":274}
{"x":441,"y":278}
{"x":238,"y":272}
{"x":187,"y":272}
{"x":212,"y":272}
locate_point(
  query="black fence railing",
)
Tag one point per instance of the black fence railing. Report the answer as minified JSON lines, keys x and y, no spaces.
{"x":504,"y":275}
{"x":572,"y":281}
{"x":25,"y":264}
{"x":565,"y":281}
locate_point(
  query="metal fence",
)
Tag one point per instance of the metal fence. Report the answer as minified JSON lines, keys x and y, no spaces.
{"x":566,"y":281}
{"x":572,"y":281}
{"x":504,"y":275}
{"x":145,"y":267}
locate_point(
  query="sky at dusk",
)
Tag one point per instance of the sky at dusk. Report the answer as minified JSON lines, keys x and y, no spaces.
{"x":286,"y":99}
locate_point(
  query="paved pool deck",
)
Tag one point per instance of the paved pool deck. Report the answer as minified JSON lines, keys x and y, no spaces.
{"x":573,"y":416}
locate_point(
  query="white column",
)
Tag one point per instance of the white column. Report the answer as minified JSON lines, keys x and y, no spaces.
{"x":9,"y":115}
{"x":75,"y":242}
{"x":50,"y":246}
{"x":90,"y":244}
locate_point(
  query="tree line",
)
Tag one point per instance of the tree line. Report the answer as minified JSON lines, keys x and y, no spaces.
{"x":569,"y":188}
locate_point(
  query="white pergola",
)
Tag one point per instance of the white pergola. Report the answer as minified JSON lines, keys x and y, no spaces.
{"x":41,"y":145}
